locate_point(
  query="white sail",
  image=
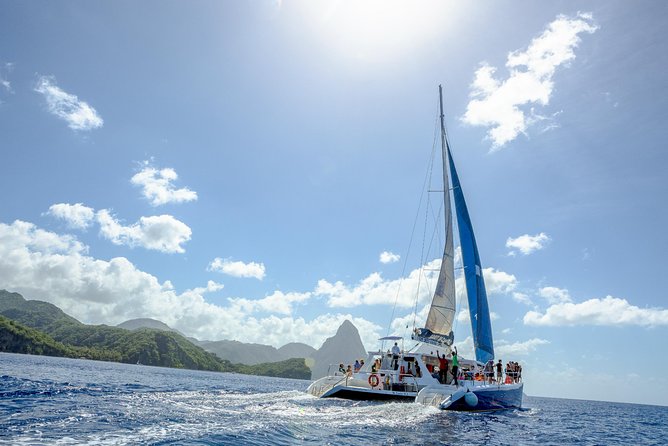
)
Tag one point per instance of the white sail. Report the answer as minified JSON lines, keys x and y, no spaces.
{"x":438,"y":328}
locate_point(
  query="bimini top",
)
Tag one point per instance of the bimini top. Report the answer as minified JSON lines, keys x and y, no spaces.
{"x":391,"y":338}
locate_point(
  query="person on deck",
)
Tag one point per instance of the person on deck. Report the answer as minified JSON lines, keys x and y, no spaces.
{"x":418,"y":372}
{"x":356,"y":367}
{"x":489,"y":371}
{"x":442,"y":368}
{"x":396,"y":351}
{"x":342,"y":369}
{"x":455,"y":366}
{"x":499,"y":372}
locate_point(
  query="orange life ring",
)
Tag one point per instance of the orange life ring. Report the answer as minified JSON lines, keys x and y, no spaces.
{"x":374,"y":380}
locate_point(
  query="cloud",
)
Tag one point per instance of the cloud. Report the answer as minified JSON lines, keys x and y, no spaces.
{"x":527,"y":244}
{"x":76,"y":215}
{"x":506,"y":350}
{"x":277,"y":302}
{"x":609,"y":311}
{"x":554,"y":295}
{"x":522,"y":298}
{"x":157,"y":186}
{"x":388,"y":257}
{"x":502,"y":105}
{"x":159,"y":232}
{"x":237,"y":269}
{"x":399,"y":324}
{"x":55,"y":268}
{"x":4,"y":74}
{"x":374,"y":290}
{"x":464,"y":316}
{"x":498,"y":282}
{"x":78,"y":114}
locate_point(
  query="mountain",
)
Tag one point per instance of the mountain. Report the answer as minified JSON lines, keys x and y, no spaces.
{"x":240,"y":352}
{"x":42,"y":328}
{"x":134,"y":324}
{"x":296,"y":350}
{"x":34,"y":313}
{"x":344,"y":347}
{"x":245,"y":353}
{"x":18,"y":338}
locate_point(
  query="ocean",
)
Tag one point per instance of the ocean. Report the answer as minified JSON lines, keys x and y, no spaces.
{"x":58,"y":401}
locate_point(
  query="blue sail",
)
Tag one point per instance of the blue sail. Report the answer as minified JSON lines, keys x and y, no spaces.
{"x":481,"y":325}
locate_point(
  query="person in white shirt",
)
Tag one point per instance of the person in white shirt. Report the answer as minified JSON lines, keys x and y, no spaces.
{"x":396,"y":351}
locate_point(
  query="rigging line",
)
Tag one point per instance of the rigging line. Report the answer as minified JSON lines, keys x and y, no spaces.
{"x":410,"y":242}
{"x":427,"y":184}
{"x":455,"y":225}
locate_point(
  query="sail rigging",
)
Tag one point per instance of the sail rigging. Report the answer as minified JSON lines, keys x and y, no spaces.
{"x":481,"y":325}
{"x":439,"y":324}
{"x":438,"y":328}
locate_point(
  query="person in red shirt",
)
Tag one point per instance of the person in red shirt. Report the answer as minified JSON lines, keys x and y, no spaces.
{"x":442,"y":368}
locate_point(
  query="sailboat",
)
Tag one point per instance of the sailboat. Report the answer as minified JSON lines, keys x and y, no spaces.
{"x":414,"y":374}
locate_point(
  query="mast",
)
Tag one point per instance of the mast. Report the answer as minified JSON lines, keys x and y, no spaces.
{"x":438,"y":328}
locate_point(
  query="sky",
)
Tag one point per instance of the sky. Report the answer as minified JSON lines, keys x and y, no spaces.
{"x":254,"y":171}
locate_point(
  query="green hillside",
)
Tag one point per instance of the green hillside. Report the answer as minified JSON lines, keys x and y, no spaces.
{"x":36,"y":327}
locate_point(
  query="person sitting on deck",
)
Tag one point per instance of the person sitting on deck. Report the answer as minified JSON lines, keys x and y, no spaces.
{"x":342,"y":369}
{"x":357,"y":366}
{"x":349,"y":370}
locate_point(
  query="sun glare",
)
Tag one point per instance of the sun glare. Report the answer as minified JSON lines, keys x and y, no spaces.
{"x":375,"y":30}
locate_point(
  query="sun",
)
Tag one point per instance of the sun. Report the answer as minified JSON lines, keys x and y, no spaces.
{"x":375,"y":30}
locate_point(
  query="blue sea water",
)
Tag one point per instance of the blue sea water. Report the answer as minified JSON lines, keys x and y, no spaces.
{"x":61,"y":401}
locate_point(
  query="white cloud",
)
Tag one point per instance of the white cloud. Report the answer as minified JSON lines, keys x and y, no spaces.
{"x":554,"y":295}
{"x":238,"y":268}
{"x":465,"y":347}
{"x":277,"y":302}
{"x":159,"y":232}
{"x":498,"y":282}
{"x":464,"y":316}
{"x":399,"y":324}
{"x":78,"y":114}
{"x":4,"y":73}
{"x":522,"y":298}
{"x":374,"y":290}
{"x":499,"y":104}
{"x":55,"y":268}
{"x":608,"y":311}
{"x":157,"y":186}
{"x":527,"y":244}
{"x":75,"y":215}
{"x":506,"y":350}
{"x":389,"y":257}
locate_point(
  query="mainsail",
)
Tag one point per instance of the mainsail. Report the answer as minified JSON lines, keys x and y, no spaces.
{"x":475,"y":284}
{"x":438,"y":329}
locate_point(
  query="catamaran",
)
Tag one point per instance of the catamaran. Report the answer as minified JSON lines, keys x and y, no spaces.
{"x":422,"y":373}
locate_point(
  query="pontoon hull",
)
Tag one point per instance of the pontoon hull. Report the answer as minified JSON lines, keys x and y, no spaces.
{"x":357,"y":393}
{"x":487,"y":397}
